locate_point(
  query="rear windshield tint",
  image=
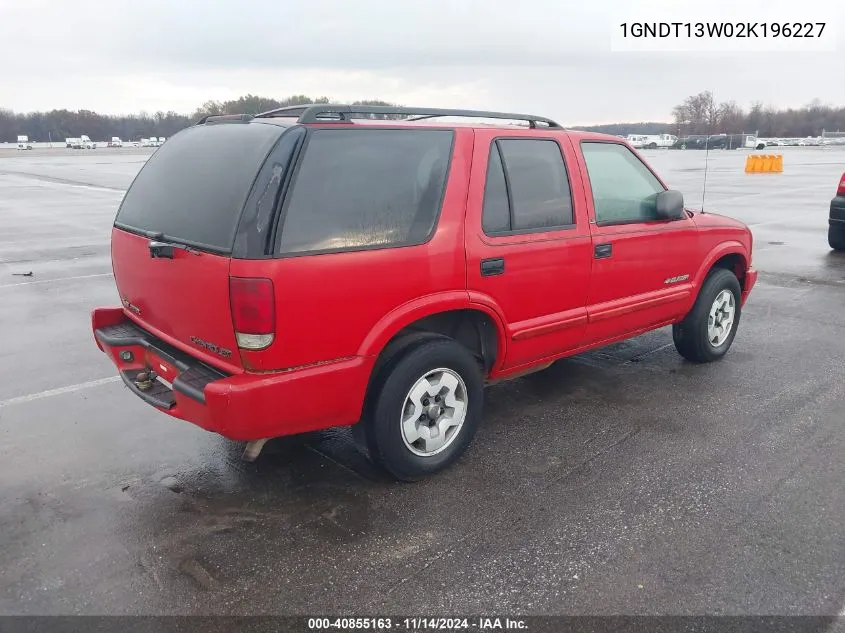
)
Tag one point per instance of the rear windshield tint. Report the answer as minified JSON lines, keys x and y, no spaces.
{"x":372,"y":188}
{"x":194,"y":187}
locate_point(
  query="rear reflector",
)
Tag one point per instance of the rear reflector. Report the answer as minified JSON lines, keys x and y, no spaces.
{"x":841,"y":190}
{"x":253,"y":311}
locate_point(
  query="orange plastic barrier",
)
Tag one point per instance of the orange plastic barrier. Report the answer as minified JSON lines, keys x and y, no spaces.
{"x":764,"y":164}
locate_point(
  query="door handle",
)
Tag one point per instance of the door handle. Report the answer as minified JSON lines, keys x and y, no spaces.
{"x":490,"y":267}
{"x":603,"y":251}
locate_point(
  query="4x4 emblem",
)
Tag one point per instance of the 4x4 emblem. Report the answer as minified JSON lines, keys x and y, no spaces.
{"x":674,"y":280}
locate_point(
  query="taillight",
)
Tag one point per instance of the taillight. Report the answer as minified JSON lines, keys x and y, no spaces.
{"x":253,"y":311}
{"x":840,"y":191}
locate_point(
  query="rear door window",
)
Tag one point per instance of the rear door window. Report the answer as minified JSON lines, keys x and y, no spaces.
{"x":367,"y":188}
{"x":527,"y":188}
{"x":194,"y":187}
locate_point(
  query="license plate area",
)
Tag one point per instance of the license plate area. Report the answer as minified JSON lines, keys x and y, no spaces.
{"x":149,"y":389}
{"x":165,"y":371}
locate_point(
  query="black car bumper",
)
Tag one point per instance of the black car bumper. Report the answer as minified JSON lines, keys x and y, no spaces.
{"x":837,"y":212}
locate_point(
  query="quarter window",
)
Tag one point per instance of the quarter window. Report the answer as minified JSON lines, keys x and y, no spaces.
{"x":365,"y":189}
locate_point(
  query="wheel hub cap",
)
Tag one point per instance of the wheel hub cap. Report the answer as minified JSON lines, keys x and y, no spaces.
{"x":434,"y":412}
{"x":721,"y":318}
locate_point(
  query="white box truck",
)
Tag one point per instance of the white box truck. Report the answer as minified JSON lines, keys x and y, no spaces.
{"x":23,"y":142}
{"x":115,"y":142}
{"x":86,"y":143}
{"x":83,"y":142}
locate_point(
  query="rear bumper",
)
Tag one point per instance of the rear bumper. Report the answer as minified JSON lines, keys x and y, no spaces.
{"x":748,"y":284}
{"x":837,"y":212}
{"x":244,"y":406}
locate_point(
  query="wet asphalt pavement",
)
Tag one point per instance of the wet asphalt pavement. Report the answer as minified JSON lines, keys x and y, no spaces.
{"x":623,"y":481}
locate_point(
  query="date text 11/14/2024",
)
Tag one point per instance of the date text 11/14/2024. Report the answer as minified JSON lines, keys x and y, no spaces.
{"x":416,"y":624}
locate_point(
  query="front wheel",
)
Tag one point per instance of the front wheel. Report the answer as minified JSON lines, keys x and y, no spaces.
{"x":836,"y":238}
{"x":426,"y":412}
{"x":707,"y":332}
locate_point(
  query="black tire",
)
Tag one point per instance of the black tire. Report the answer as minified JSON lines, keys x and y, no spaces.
{"x":690,"y":335}
{"x":652,"y":146}
{"x":836,"y":238}
{"x":381,"y":428}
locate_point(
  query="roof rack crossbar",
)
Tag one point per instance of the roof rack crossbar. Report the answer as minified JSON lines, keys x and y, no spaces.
{"x":291,"y":111}
{"x":211,"y":118}
{"x":317,"y":113}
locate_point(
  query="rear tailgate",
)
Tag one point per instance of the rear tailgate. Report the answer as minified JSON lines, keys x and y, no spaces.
{"x":185,"y":298}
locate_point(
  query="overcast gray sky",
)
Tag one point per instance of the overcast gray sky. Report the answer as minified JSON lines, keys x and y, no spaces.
{"x":549,"y":57}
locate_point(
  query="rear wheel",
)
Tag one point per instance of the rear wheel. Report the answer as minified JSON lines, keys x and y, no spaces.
{"x":707,"y":332}
{"x":836,"y":238}
{"x":426,"y":411}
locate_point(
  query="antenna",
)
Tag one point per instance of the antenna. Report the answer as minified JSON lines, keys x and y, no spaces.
{"x":710,"y":116}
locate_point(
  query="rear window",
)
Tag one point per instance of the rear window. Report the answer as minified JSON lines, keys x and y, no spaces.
{"x":369,"y":188}
{"x":194,"y":187}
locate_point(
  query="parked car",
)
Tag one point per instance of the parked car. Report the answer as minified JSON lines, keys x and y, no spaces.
{"x":379,"y":273}
{"x":836,"y":228}
{"x":714,"y":141}
{"x":695,"y":141}
{"x":727,"y":141}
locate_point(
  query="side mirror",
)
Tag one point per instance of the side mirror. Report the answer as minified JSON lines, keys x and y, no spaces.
{"x":670,"y":205}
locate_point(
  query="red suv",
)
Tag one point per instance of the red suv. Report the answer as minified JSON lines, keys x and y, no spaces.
{"x":326,"y":265}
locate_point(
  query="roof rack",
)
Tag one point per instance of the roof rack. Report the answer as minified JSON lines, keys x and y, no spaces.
{"x":325,"y":113}
{"x":211,"y":118}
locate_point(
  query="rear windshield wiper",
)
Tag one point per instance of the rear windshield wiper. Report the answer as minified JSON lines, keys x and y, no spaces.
{"x":162,"y":248}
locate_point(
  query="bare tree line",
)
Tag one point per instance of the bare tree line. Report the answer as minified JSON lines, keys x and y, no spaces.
{"x":697,"y":114}
{"x":57,"y":125}
{"x":700,"y":114}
